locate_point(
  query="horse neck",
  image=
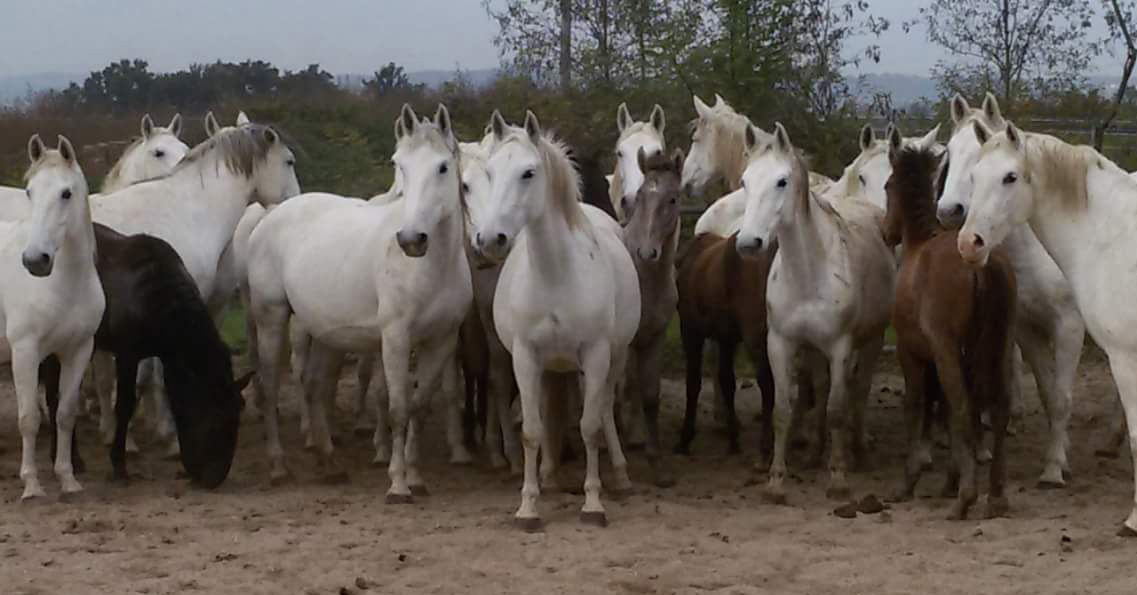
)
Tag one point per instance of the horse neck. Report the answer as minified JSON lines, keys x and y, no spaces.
{"x":661,"y":273}
{"x":732,"y":156}
{"x":918,"y":223}
{"x":218,"y":198}
{"x":550,"y":244}
{"x":78,"y":250}
{"x":450,"y":239}
{"x":804,"y":231}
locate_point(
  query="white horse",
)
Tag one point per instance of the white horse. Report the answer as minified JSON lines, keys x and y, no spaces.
{"x":153,"y":155}
{"x":567,"y":303}
{"x":1082,"y":208}
{"x":1050,"y":330}
{"x":863,"y":178}
{"x":51,"y":301}
{"x":367,"y":277}
{"x":830,"y":290}
{"x":627,"y":177}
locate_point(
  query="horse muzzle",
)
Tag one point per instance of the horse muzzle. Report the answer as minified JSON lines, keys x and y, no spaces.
{"x":951,"y":215}
{"x":413,"y":243}
{"x":973,"y":249}
{"x":749,"y":247}
{"x":492,"y":248}
{"x":39,"y":264}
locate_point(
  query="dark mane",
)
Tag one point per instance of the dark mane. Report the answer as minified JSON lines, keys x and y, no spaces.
{"x":914,"y":172}
{"x":659,"y":162}
{"x":594,"y":186}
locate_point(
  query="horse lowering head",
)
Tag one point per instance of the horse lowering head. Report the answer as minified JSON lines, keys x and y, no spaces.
{"x":426,"y":155}
{"x":530,"y":174}
{"x":654,"y":219}
{"x":635,"y":136}
{"x":207,"y":403}
{"x":774,"y":179}
{"x":910,"y":189}
{"x":963,"y":152}
{"x":58,"y":193}
{"x":1002,"y":193}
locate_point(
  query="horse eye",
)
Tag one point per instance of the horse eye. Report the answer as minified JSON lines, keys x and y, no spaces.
{"x":290,"y":162}
{"x":1010,"y":178}
{"x":782,"y":183}
{"x":66,"y":194}
{"x":443,"y":169}
{"x":159,"y":153}
{"x":528,"y":174}
{"x":862,"y":180}
{"x":465,"y":187}
{"x":619,"y":154}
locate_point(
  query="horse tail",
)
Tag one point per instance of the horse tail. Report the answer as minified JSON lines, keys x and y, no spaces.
{"x":987,"y":353}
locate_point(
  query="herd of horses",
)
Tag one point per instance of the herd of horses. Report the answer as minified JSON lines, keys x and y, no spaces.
{"x":487,"y":261}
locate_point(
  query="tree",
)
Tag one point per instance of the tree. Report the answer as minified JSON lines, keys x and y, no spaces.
{"x":565,"y":63}
{"x":1013,"y":46}
{"x":1120,"y":21}
{"x":389,"y":80}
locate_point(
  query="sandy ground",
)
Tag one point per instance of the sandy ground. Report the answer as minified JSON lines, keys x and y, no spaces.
{"x":709,"y":534}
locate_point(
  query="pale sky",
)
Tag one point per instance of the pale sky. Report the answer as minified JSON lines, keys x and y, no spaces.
{"x":344,"y":36}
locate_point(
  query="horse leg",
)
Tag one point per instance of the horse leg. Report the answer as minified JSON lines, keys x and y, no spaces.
{"x":528,"y":374}
{"x":251,"y":348}
{"x":841,"y":367}
{"x":963,"y":427}
{"x":126,"y":372}
{"x":764,"y":377}
{"x":25,"y":376}
{"x":320,"y":382}
{"x":364,"y":412}
{"x":555,"y":397}
{"x":380,"y":403}
{"x":999,"y":395}
{"x":718,"y":412}
{"x":782,"y":356}
{"x":104,"y":369}
{"x":915,"y":407}
{"x":867,"y":356}
{"x":693,"y":350}
{"x":1117,"y":434}
{"x":726,"y":380}
{"x":1069,"y":339}
{"x":72,"y":366}
{"x":1124,"y":367}
{"x":620,"y":485}
{"x":49,"y":372}
{"x":164,"y":418}
{"x":1040,"y":356}
{"x":649,"y":363}
{"x":272,"y":324}
{"x":299,"y":341}
{"x":455,"y":426}
{"x":397,"y":368}
{"x":597,"y":389}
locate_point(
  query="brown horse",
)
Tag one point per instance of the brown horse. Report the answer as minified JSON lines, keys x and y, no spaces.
{"x":953,"y":327}
{"x":722,"y":297}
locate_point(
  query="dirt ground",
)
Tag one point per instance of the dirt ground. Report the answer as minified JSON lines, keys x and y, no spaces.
{"x":709,"y":534}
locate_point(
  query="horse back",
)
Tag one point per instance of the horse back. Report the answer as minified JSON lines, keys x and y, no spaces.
{"x":721,"y":292}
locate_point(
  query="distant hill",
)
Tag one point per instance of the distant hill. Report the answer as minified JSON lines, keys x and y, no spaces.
{"x":16,"y":87}
{"x":430,"y":78}
{"x":906,"y":89}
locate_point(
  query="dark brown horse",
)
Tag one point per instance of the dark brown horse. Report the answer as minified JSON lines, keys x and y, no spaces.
{"x":155,"y":310}
{"x":953,"y":326}
{"x":722,"y":298}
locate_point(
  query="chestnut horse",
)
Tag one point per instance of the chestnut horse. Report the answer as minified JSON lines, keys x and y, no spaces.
{"x":954,"y":325}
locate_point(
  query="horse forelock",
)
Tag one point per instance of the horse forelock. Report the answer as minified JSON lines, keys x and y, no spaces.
{"x":51,"y":158}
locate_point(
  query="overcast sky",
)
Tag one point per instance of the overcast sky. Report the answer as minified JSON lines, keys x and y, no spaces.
{"x":344,"y":36}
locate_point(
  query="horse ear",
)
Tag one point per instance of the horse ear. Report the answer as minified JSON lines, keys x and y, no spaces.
{"x":497,"y":125}
{"x":400,"y":132}
{"x":658,"y":120}
{"x":243,"y":118}
{"x":991,"y":109}
{"x":65,"y":149}
{"x":532,"y":126}
{"x":608,"y":178}
{"x":623,"y":118}
{"x":959,"y":108}
{"x":895,"y":143}
{"x":719,"y":100}
{"x":1015,"y":136}
{"x":211,"y":125}
{"x":147,"y":126}
{"x":175,"y":126}
{"x":410,"y":119}
{"x":867,"y":137}
{"x":641,"y":159}
{"x":751,"y":137}
{"x":442,"y":120}
{"x":782,"y":138}
{"x":244,"y":380}
{"x":677,"y":159}
{"x":981,"y":132}
{"x":35,"y":148}
{"x":701,"y":109}
{"x":271,"y":136}
{"x":929,"y":140}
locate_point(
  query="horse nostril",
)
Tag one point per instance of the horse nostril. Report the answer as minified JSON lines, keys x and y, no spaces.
{"x":478,"y":239}
{"x":422,"y":238}
{"x":957,"y":210}
{"x":977,"y":240}
{"x":501,"y":239}
{"x":654,"y":253}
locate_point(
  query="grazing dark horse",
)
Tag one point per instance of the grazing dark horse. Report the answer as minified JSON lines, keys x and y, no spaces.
{"x":722,"y":297}
{"x":154,"y":310}
{"x":954,"y":327}
{"x":652,"y":238}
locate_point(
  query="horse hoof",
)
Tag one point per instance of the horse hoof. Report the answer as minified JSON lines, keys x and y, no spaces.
{"x":664,"y":481}
{"x":1126,"y":531}
{"x":419,"y":490}
{"x":837,"y":492}
{"x":399,"y":499}
{"x":1106,"y":453}
{"x":774,"y":497}
{"x":983,"y":456}
{"x":997,"y":507}
{"x":958,"y":512}
{"x":529,"y":525}
{"x":363,"y":432}
{"x":595,"y":519}
{"x":33,"y":495}
{"x":899,"y":496}
{"x":279,"y":479}
{"x":336,"y":478}
{"x":120,"y":477}
{"x":1050,"y":484}
{"x":71,"y":497}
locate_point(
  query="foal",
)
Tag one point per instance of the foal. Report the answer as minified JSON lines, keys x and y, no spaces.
{"x":953,"y":326}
